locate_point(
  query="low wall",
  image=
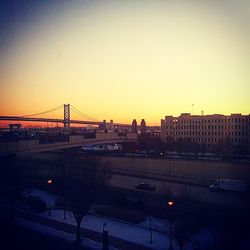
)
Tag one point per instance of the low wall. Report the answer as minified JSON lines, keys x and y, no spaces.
{"x":190,"y":171}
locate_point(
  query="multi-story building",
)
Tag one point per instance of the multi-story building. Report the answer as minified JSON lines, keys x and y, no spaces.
{"x":212,"y":132}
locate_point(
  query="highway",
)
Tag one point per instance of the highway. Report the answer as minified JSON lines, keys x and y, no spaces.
{"x":195,"y":192}
{"x":134,"y":171}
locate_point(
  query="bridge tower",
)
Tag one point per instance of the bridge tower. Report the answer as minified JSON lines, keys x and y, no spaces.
{"x":66,"y":116}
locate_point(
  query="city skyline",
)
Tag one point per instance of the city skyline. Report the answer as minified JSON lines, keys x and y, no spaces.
{"x":52,"y":124}
{"x":125,"y":60}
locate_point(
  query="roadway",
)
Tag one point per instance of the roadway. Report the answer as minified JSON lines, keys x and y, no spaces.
{"x":126,"y":177}
{"x":195,"y":192}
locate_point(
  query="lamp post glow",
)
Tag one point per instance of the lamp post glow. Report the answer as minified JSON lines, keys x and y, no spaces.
{"x":170,"y":205}
{"x":49,"y":181}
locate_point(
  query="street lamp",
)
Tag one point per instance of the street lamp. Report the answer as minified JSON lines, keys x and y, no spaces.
{"x":170,"y":206}
{"x":170,"y":203}
{"x":150,"y":229}
{"x":169,"y":166}
{"x":49,"y":181}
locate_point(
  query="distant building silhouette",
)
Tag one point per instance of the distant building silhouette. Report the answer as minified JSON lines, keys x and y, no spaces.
{"x":143,"y":127}
{"x":15,"y":127}
{"x":134,"y":126}
{"x":110,"y":126}
{"x":103,"y":125}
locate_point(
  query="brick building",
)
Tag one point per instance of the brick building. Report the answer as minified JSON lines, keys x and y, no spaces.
{"x":212,"y":132}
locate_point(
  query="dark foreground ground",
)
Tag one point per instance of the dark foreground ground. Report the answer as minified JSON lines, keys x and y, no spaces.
{"x":14,"y":237}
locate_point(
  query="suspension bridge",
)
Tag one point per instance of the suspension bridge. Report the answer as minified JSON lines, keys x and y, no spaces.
{"x":67,"y":110}
{"x":37,"y":145}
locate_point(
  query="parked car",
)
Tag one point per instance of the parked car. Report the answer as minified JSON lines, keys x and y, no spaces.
{"x":145,"y":186}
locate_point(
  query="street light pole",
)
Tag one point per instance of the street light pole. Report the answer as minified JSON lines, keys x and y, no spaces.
{"x":170,"y":236}
{"x":49,"y":181}
{"x":150,"y":229}
{"x":64,"y":212}
{"x":170,"y":205}
{"x":169,"y":165}
{"x":105,"y":236}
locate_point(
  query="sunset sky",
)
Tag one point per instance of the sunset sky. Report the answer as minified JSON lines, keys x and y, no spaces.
{"x":122,"y":60}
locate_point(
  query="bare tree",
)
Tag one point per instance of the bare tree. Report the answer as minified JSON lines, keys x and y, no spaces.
{"x":85,"y":182}
{"x":79,"y":201}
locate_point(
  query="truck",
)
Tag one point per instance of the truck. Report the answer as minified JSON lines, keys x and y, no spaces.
{"x":229,"y":185}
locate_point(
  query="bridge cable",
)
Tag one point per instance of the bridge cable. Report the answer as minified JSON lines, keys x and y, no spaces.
{"x":44,"y":112}
{"x":77,"y":110}
{"x":82,"y":114}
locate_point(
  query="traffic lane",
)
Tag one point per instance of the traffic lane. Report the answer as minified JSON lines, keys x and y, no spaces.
{"x":194,"y":192}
